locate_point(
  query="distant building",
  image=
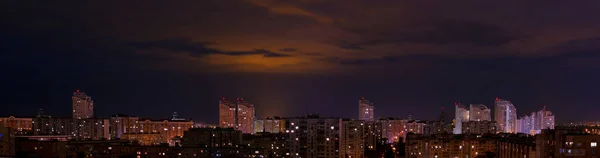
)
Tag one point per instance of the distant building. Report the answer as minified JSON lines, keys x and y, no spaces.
{"x":479,"y":127}
{"x":238,"y":115}
{"x":95,"y":129}
{"x":212,"y":137}
{"x":20,"y":125}
{"x":535,"y":122}
{"x":83,"y":105}
{"x":356,"y":137}
{"x":394,"y":129}
{"x":479,"y":112}
{"x":505,"y":115}
{"x":366,"y":110}
{"x":313,"y":136}
{"x":273,"y":143}
{"x":448,"y":145}
{"x":513,"y":145}
{"x":227,"y":114}
{"x":145,"y":139}
{"x":461,"y":115}
{"x":245,"y":116}
{"x":269,"y":125}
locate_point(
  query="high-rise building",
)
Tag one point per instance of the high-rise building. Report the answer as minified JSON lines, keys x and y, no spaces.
{"x":461,"y":115}
{"x":505,"y":115}
{"x":83,"y":105}
{"x":227,"y":114}
{"x":269,"y":125}
{"x":20,"y":125}
{"x":313,"y":136}
{"x":245,"y":116}
{"x":535,"y":122}
{"x":238,"y":115}
{"x":366,"y":110}
{"x":352,"y":139}
{"x":479,"y":112}
{"x":394,"y":129}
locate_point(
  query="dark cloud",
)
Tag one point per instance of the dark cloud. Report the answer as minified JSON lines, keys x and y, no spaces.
{"x":313,"y":54}
{"x":438,"y":33}
{"x":197,"y":48}
{"x":288,"y":49}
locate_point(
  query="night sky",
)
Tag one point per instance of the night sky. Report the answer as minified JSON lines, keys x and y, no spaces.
{"x":152,"y":58}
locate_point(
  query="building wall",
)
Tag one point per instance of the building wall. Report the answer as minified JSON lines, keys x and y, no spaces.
{"x":309,"y":135}
{"x":505,"y":116}
{"x":77,"y":128}
{"x":443,"y":146}
{"x":479,"y":127}
{"x":21,"y":125}
{"x":83,"y":105}
{"x":393,"y":129}
{"x":366,"y":110}
{"x":352,"y":139}
{"x":212,"y":137}
{"x":479,"y":112}
{"x":245,"y":116}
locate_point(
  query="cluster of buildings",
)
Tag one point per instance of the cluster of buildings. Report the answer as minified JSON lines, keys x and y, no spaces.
{"x":473,"y":132}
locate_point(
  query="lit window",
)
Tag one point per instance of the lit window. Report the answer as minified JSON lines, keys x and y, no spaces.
{"x":593,"y":144}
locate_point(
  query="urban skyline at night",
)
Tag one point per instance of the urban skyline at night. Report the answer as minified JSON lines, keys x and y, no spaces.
{"x":300,"y":78}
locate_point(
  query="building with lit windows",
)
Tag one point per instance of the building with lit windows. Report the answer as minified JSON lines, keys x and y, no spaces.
{"x":74,"y":127}
{"x":394,"y":129}
{"x":356,"y":137}
{"x":212,"y":137}
{"x":448,"y":145}
{"x":227,"y":114}
{"x":83,"y":105}
{"x":479,"y":127}
{"x":274,"y":144}
{"x":20,"y":125}
{"x":7,"y":141}
{"x":313,"y":136}
{"x":505,"y":115}
{"x":269,"y":125}
{"x":366,"y":110}
{"x":239,"y":115}
{"x":479,"y":112}
{"x":535,"y":122}
{"x":245,"y":116}
{"x":461,"y":115}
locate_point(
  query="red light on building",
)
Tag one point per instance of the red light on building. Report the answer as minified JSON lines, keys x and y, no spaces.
{"x":77,"y":91}
{"x":497,"y":98}
{"x":223,"y":98}
{"x":363,"y":98}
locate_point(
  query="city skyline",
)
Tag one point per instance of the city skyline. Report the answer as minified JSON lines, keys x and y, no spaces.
{"x":296,"y":57}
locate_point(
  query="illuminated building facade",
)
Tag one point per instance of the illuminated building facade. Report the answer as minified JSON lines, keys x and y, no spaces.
{"x":535,"y":122}
{"x":238,"y":115}
{"x":357,"y":136}
{"x":245,"y":116}
{"x":168,"y":129}
{"x":227,"y":114}
{"x":270,"y":125}
{"x":120,"y":124}
{"x":145,"y":139}
{"x":366,"y":110}
{"x":443,"y":146}
{"x":20,"y":125}
{"x":461,"y":115}
{"x":479,"y":127}
{"x":273,"y":143}
{"x":505,"y":115}
{"x":77,"y":128}
{"x":212,"y":137}
{"x":313,"y":136}
{"x":479,"y":112}
{"x":394,"y":129}
{"x":83,"y":105}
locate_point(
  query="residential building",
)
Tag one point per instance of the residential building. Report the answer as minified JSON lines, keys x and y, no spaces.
{"x":461,"y":115}
{"x":479,"y":127}
{"x":505,"y":115}
{"x":212,"y":137}
{"x":313,"y":136}
{"x":83,"y":105}
{"x":448,"y":145}
{"x":227,"y":114}
{"x":274,"y":144}
{"x":245,"y":116}
{"x":76,"y":128}
{"x":479,"y":112}
{"x":394,"y":129}
{"x":366,"y":110}
{"x":20,"y":125}
{"x":270,"y":125}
